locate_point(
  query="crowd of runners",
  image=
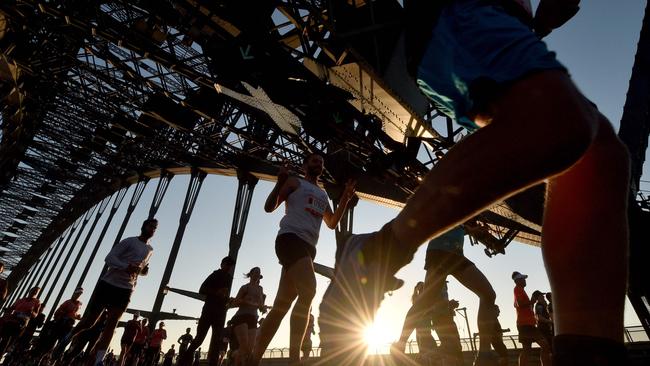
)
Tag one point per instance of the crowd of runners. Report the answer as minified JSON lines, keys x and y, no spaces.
{"x":484,"y":64}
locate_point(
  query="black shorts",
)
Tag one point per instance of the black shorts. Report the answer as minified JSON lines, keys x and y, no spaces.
{"x":448,"y":262}
{"x":248,"y":319}
{"x":109,"y":296}
{"x":529,"y":334}
{"x":290,"y":248}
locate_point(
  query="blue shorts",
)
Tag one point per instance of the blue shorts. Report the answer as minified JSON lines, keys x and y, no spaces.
{"x":475,"y":48}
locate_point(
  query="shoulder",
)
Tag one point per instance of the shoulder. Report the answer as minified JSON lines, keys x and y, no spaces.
{"x":293,"y":183}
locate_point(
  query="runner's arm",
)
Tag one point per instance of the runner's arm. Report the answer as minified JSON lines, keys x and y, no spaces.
{"x":283,"y":187}
{"x":332,"y":218}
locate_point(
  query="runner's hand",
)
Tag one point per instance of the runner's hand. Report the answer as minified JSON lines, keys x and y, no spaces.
{"x":133,"y":268}
{"x":552,"y":14}
{"x":350,"y":188}
{"x":283,"y":173}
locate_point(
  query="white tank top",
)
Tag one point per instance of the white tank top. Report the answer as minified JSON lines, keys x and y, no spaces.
{"x":304,"y":209}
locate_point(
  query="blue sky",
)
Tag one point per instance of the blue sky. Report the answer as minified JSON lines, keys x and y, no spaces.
{"x":597,"y":46}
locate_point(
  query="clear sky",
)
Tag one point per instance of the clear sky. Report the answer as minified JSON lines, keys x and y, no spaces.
{"x":597,"y":46}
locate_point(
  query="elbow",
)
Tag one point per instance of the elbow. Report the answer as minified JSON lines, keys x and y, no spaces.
{"x":269,"y":207}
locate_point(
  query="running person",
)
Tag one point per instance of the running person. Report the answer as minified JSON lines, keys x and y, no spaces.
{"x":487,"y":68}
{"x":61,"y":325}
{"x":420,"y":322}
{"x":497,"y":340}
{"x":216,"y":289}
{"x":542,"y":318}
{"x":184,"y":341}
{"x":131,"y":330}
{"x":445,"y":257}
{"x":137,"y":350}
{"x":155,"y":345}
{"x":307,"y":206}
{"x":20,"y":313}
{"x":249,"y":299}
{"x":528,"y":332}
{"x":126,"y":261}
{"x":442,"y":322}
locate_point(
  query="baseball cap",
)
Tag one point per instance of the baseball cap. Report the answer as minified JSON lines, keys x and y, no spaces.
{"x":518,"y":276}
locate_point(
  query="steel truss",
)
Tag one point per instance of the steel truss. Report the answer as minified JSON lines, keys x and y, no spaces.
{"x":98,"y":94}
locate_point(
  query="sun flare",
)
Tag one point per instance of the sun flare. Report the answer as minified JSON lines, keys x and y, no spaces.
{"x":377,"y":338}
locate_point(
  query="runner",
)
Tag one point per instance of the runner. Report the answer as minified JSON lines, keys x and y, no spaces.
{"x":131,"y":330}
{"x":497,"y":341}
{"x":139,"y":344}
{"x":184,"y":341}
{"x":155,"y":345}
{"x":445,"y":257}
{"x":307,"y":206}
{"x":61,"y":325}
{"x":126,"y":261}
{"x":528,"y":332}
{"x":421,"y":323}
{"x":485,"y":67}
{"x":216,"y":289}
{"x":20,"y":314}
{"x":169,"y":357}
{"x":249,"y":299}
{"x":542,"y":317}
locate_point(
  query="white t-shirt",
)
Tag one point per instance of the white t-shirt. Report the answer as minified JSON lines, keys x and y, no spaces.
{"x":127,"y":251}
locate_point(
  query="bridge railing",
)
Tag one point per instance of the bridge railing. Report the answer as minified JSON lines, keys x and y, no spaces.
{"x":633,"y":334}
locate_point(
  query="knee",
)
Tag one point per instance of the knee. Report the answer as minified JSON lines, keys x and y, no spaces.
{"x":488,"y":296}
{"x":615,"y":155}
{"x":306,"y":295}
{"x":281,"y":306}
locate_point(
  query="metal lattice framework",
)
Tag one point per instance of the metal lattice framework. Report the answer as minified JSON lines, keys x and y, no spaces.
{"x":99,"y":93}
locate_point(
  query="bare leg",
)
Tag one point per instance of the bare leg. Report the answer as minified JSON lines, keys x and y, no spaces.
{"x":201,"y":333}
{"x":474,"y":280}
{"x":123,"y":353}
{"x":586,"y":208}
{"x":524,"y":133}
{"x":302,"y":274}
{"x":593,"y":234}
{"x":89,"y":320}
{"x":114,"y":315}
{"x":409,"y":325}
{"x":287,"y":292}
{"x":523,"y":355}
{"x":241,"y":332}
{"x":544,"y":351}
{"x":252,"y":339}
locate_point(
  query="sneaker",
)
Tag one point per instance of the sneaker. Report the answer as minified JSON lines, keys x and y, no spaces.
{"x":351,"y":302}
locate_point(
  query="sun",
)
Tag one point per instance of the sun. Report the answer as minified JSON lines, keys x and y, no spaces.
{"x":377,"y":338}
